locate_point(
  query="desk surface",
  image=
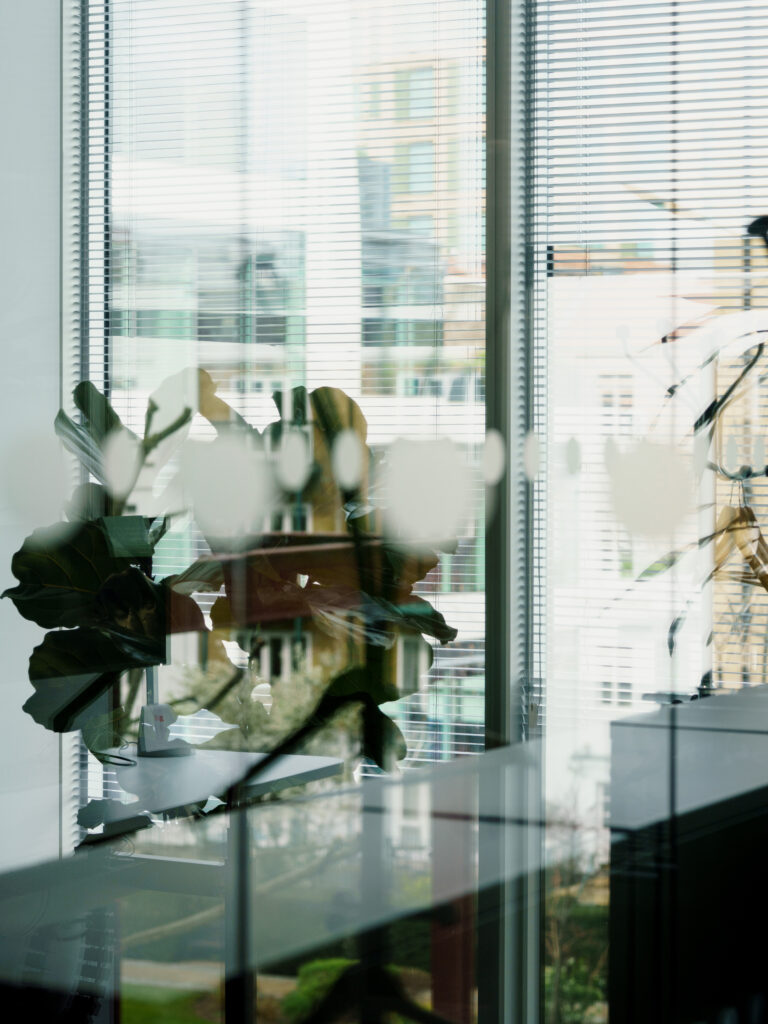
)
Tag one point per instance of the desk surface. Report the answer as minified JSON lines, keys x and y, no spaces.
{"x":164,"y":784}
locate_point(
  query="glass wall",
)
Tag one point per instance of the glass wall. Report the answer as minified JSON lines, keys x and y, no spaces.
{"x":260,"y":596}
{"x":324,"y":700}
{"x":649,"y":275}
{"x":295,"y":199}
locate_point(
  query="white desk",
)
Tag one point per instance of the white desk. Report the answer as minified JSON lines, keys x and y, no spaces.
{"x":164,"y":784}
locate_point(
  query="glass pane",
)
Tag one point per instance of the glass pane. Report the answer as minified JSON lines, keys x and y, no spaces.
{"x":650,"y":296}
{"x":421,"y":85}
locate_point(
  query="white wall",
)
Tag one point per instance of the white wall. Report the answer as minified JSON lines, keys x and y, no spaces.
{"x":29,"y":347}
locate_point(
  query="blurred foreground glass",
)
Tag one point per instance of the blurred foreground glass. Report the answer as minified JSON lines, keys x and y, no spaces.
{"x":260,"y":913}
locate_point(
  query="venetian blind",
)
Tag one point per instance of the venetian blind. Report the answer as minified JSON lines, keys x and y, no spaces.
{"x":293,"y":194}
{"x":650,"y":145}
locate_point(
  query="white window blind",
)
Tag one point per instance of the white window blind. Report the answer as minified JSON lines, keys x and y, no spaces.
{"x":293,"y":194}
{"x":650,"y":150}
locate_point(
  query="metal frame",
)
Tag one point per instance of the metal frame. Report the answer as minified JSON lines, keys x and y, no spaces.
{"x":85,"y":283}
{"x":509,"y":915}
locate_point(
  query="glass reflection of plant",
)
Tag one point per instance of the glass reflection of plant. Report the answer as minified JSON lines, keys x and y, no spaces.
{"x":90,"y":581}
{"x":736,"y":530}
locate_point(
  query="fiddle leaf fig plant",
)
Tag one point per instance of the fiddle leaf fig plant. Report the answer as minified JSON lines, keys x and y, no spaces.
{"x":90,"y":581}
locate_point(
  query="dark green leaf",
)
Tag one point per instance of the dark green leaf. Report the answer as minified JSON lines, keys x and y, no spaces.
{"x":60,"y":575}
{"x":102,"y":812}
{"x":62,"y":704}
{"x":418,"y":615}
{"x":675,"y":627}
{"x":382,"y":740}
{"x":71,"y":669}
{"x":87,"y":652}
{"x":100,"y":417}
{"x":77,"y":440}
{"x":127,"y":536}
{"x":158,"y":529}
{"x":359,"y":681}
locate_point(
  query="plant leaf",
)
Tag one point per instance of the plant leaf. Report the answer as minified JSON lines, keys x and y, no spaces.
{"x":102,"y":811}
{"x":100,"y":417}
{"x":153,"y":440}
{"x":87,"y":652}
{"x":88,"y":501}
{"x":205,"y":575}
{"x":127,"y":536}
{"x":61,"y":575}
{"x":382,"y":739}
{"x":751,"y":543}
{"x":674,"y":628}
{"x":664,"y":563}
{"x":78,"y":441}
{"x":419,"y":616}
{"x":71,"y":669}
{"x":722,"y":535}
{"x":356,"y":682}
{"x":219,"y":413}
{"x":717,"y":405}
{"x":158,"y":529}
{"x":101,"y":732}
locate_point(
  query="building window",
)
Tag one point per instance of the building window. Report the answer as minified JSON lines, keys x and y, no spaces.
{"x":422,"y":226}
{"x":421,"y":167}
{"x":373,"y":100}
{"x":415,"y":93}
{"x":415,"y":167}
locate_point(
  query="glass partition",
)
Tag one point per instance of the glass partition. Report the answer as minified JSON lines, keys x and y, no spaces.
{"x":385,"y":635}
{"x":345,"y":903}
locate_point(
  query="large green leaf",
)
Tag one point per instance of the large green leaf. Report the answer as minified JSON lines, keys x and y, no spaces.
{"x":71,"y":669}
{"x":131,"y":607}
{"x":61,"y":574}
{"x":80,"y":652}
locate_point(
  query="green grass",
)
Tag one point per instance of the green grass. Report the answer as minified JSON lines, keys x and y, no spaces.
{"x":148,"y":1004}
